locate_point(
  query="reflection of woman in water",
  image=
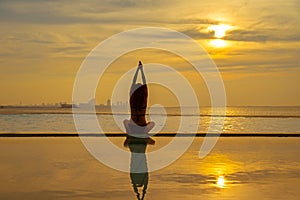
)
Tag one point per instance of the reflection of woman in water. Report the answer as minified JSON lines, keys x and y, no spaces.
{"x":137,"y":137}
{"x":138,"y":169}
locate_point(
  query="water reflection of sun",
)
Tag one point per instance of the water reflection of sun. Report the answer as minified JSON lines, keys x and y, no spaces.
{"x":220,"y":182}
{"x":219,"y":169}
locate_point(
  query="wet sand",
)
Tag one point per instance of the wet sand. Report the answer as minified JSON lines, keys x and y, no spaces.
{"x":61,"y":168}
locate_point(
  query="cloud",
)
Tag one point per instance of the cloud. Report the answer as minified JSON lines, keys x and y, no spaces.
{"x":198,"y":21}
{"x":197,"y":33}
{"x":117,"y":15}
{"x":261,"y":35}
{"x":258,"y":68}
{"x":247,"y":35}
{"x":81,"y":12}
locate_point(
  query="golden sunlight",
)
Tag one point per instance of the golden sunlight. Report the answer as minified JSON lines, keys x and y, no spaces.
{"x":221,"y":182}
{"x":218,"y":43}
{"x":220,"y":30}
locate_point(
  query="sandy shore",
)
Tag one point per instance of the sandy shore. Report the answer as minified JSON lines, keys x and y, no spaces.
{"x":61,"y":168}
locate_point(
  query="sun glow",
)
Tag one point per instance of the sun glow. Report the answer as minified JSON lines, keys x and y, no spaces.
{"x":221,"y":182}
{"x":218,"y":43}
{"x":220,"y":30}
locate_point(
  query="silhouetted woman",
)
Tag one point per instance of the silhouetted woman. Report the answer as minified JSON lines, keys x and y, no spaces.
{"x":137,"y":127}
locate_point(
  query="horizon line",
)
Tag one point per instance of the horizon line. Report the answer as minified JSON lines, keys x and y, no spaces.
{"x":156,"y":135}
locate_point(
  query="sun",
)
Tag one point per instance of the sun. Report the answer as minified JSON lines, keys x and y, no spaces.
{"x":219,"y":30}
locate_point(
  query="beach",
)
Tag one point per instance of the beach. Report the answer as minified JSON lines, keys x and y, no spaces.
{"x":257,"y":156}
{"x":61,"y":168}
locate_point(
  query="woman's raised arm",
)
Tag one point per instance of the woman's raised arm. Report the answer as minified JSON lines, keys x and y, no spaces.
{"x":142,"y":71}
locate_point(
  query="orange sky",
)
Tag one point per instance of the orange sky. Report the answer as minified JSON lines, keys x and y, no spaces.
{"x":43,"y":44}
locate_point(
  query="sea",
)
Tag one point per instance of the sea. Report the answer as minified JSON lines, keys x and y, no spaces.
{"x":236,"y":120}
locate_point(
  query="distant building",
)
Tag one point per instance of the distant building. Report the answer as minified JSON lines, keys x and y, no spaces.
{"x":68,"y":105}
{"x":90,"y":103}
{"x":108,"y":103}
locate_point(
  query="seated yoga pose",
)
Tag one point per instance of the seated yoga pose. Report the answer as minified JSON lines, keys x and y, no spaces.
{"x":137,"y":128}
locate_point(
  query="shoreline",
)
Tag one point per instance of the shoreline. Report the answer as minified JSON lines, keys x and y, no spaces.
{"x":24,"y":135}
{"x":63,"y":112}
{"x":176,"y":113}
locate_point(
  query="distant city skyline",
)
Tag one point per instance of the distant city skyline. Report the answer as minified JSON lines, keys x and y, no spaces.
{"x":108,"y":102}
